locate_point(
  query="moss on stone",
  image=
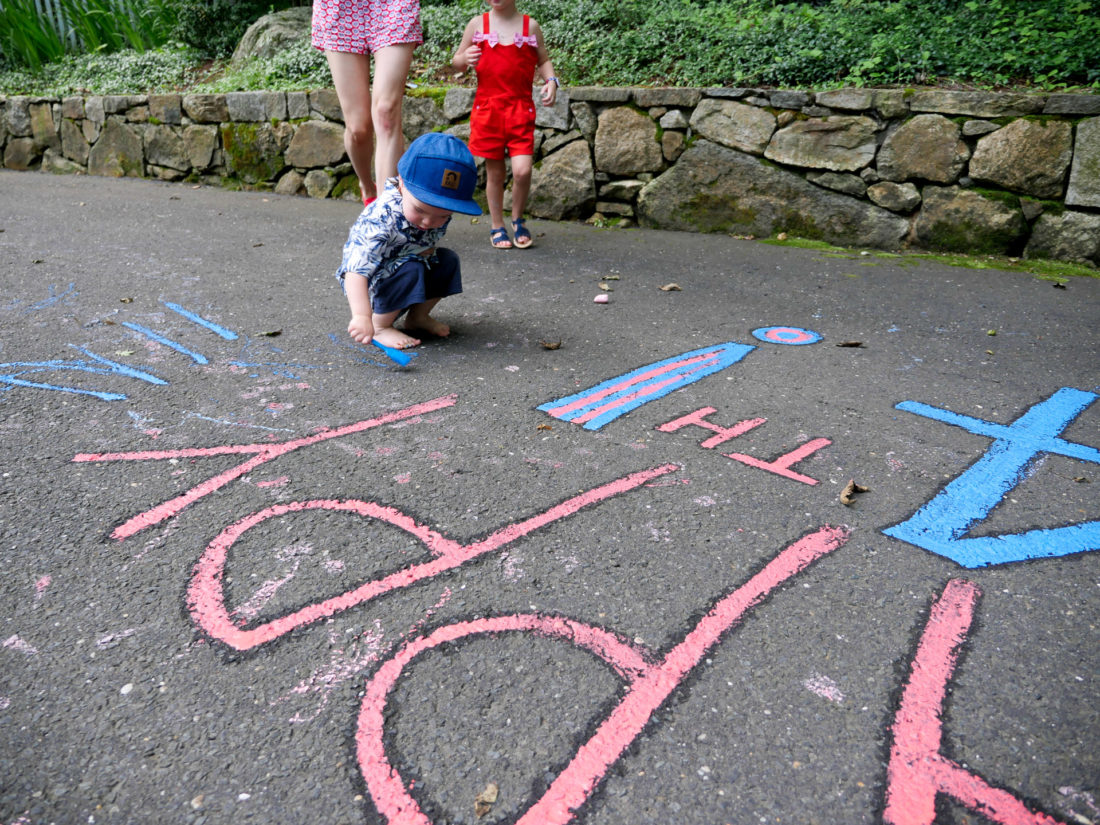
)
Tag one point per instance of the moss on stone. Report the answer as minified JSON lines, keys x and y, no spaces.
{"x":437,"y":94}
{"x":964,"y":236}
{"x":346,"y":184}
{"x":243,"y":144}
{"x":999,"y":196}
{"x":800,"y":224}
{"x":710,"y":213}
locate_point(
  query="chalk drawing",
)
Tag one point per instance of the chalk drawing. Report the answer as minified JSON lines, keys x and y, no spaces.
{"x":10,"y":373}
{"x":651,"y":681}
{"x":102,"y":366}
{"x":940,"y":526}
{"x":198,"y":358}
{"x":791,"y":336}
{"x":206,"y":593}
{"x":605,"y":402}
{"x":228,"y":335}
{"x":54,"y":298}
{"x":780,"y":466}
{"x":264,"y":453}
{"x":917,"y":771}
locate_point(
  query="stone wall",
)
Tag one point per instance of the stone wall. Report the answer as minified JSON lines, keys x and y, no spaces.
{"x":971,"y":172}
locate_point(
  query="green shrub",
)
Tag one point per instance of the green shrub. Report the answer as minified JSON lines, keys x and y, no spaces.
{"x":779,"y":43}
{"x":215,"y":27}
{"x":127,"y":72}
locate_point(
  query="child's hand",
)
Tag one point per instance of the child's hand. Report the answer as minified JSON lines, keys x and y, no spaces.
{"x":473,"y":54}
{"x":549,"y":93}
{"x":361,"y":329}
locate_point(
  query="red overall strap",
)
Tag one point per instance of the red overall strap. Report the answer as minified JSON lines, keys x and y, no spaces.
{"x":526,"y":25}
{"x":485,"y":22}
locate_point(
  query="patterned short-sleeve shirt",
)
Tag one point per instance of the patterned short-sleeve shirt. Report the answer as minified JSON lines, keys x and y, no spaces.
{"x":381,"y":240}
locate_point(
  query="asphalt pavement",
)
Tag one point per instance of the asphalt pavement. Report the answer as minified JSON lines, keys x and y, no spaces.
{"x":774,"y":535}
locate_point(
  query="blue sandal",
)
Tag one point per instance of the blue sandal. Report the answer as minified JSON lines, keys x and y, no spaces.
{"x":523,"y":236}
{"x":499,"y":238}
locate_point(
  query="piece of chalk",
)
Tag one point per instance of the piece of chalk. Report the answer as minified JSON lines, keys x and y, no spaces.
{"x":395,"y":355}
{"x":601,"y":299}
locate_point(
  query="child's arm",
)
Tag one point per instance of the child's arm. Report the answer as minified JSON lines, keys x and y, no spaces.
{"x":468,"y":53}
{"x":360,"y":328}
{"x":545,"y":69}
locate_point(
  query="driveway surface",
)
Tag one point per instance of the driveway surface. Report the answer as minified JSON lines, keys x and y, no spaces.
{"x":805,"y":538}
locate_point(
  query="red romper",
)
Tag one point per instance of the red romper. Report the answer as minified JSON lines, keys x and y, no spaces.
{"x":504,"y":109}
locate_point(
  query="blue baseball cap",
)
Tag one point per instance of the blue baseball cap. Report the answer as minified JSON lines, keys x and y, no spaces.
{"x":438,"y":169}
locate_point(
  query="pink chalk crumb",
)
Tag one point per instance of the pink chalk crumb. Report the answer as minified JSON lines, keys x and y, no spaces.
{"x":601,"y":299}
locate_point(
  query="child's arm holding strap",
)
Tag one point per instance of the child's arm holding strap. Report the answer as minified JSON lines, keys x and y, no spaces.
{"x":468,"y":52}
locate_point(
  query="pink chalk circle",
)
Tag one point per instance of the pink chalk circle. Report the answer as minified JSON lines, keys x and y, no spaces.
{"x":793,"y":336}
{"x":601,"y":299}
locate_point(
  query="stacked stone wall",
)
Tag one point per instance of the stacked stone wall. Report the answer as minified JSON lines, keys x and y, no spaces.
{"x":973,"y":172}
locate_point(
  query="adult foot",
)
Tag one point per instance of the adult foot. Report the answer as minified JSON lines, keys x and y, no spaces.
{"x":394,"y":338}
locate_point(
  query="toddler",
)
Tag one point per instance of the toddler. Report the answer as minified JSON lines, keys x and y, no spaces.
{"x":391,"y":261}
{"x":505,"y":48}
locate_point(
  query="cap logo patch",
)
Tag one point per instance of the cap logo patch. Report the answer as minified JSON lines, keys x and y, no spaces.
{"x":451,"y":179}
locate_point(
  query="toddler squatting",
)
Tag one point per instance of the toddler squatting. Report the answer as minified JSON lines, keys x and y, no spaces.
{"x":392,"y":263}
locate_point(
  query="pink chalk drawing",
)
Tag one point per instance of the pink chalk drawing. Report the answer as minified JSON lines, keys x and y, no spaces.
{"x":263,"y":454}
{"x":650,"y":683}
{"x":361,"y":652}
{"x":281,"y":481}
{"x":40,"y":587}
{"x":917,"y":771}
{"x":781,"y":466}
{"x":20,"y":645}
{"x":824,"y":687}
{"x":206,"y":595}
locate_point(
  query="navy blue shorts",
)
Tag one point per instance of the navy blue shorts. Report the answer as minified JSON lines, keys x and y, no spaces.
{"x":418,"y":281}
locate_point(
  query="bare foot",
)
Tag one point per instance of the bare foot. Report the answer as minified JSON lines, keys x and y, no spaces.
{"x":394,"y":338}
{"x":426,"y":323}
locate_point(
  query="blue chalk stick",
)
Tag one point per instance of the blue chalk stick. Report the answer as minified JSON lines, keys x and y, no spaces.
{"x":395,"y":355}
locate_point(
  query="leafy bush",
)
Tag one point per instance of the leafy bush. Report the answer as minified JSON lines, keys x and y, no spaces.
{"x":31,"y":38}
{"x":785,"y":43}
{"x":126,"y":72}
{"x":299,"y":66}
{"x":215,"y":27}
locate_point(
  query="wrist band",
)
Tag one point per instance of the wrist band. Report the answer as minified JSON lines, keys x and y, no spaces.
{"x":554,"y":80}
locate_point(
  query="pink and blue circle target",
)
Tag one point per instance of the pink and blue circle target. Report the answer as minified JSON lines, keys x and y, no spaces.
{"x":793,"y":336}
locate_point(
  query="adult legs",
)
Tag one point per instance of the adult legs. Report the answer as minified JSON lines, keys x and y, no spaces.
{"x":351,"y":77}
{"x":391,"y":71}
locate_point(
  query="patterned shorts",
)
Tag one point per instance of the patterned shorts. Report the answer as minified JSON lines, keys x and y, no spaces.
{"x":365,"y":26}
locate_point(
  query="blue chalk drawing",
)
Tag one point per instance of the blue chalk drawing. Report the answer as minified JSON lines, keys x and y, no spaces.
{"x":940,"y":526}
{"x":196,"y":357}
{"x":605,"y":402}
{"x":228,"y":335}
{"x":791,"y":336}
{"x":108,"y":367}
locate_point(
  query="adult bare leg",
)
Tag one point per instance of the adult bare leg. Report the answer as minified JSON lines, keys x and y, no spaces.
{"x":391,"y":71}
{"x":351,"y":77}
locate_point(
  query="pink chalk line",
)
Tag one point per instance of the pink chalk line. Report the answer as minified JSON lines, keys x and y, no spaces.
{"x":263,"y":454}
{"x":206,"y":595}
{"x":917,"y":771}
{"x":650,"y":685}
{"x":364,"y":650}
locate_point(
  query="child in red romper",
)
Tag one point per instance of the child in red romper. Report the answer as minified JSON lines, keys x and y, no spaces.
{"x":506,"y":49}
